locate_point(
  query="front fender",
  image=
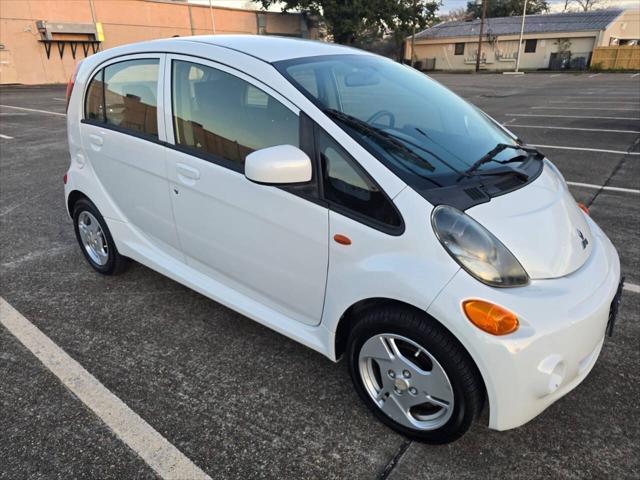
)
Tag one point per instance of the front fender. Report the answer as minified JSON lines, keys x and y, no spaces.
{"x":412,"y":267}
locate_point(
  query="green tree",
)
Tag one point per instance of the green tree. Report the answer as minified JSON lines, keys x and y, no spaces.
{"x":507,"y":8}
{"x":406,"y":17}
{"x":351,"y":21}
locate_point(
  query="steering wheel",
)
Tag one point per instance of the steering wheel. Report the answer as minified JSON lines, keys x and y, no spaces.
{"x":383,"y":113}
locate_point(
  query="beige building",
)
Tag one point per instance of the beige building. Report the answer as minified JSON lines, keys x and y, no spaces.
{"x":554,"y":41}
{"x":42,"y":40}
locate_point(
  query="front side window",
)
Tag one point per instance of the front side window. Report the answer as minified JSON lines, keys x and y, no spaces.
{"x":130,"y":95}
{"x":348,"y":187}
{"x":421,"y":130}
{"x":223,"y":116}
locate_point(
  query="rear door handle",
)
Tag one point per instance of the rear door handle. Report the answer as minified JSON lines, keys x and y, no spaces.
{"x":185,"y":172}
{"x":97,"y":140}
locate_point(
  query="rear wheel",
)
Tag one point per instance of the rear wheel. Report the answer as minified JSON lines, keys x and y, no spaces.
{"x":414,"y":375}
{"x":95,"y":239}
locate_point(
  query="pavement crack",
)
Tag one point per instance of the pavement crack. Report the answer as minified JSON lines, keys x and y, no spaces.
{"x":614,"y":172}
{"x":388,"y":469}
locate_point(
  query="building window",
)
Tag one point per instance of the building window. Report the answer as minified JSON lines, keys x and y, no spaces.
{"x":459,"y":49}
{"x":530,"y":45}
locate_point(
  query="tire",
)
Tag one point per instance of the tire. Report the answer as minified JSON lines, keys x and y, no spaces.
{"x":99,"y":250}
{"x":413,"y":338}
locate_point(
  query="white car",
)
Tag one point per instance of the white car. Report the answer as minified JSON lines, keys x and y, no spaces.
{"x":352,"y":204}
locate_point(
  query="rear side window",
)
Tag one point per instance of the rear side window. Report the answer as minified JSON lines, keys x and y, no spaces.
{"x":349,"y":188}
{"x":94,"y":101}
{"x":220,"y":115}
{"x":124,"y":95}
{"x":130,"y":95}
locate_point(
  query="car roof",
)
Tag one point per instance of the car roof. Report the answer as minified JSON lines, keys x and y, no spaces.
{"x":272,"y":48}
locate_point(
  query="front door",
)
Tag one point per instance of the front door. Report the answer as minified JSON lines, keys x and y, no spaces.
{"x":264,"y":242}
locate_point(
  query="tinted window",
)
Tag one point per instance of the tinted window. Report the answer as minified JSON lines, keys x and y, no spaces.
{"x":94,"y":101}
{"x":459,"y":49}
{"x":347,"y":185}
{"x":421,"y":130}
{"x":130,"y":95}
{"x":530,"y":46}
{"x":219,"y":114}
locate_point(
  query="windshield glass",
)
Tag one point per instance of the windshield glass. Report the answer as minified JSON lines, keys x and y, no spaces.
{"x":408,"y":121}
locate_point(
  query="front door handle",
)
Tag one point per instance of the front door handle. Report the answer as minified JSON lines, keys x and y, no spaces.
{"x":185,"y":172}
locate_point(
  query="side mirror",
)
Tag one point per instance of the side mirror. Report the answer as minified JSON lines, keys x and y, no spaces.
{"x":282,"y":164}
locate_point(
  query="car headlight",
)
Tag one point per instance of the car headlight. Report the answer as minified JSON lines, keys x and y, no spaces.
{"x":476,"y":249}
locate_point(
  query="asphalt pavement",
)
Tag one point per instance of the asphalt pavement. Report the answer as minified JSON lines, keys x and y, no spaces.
{"x":241,"y":401}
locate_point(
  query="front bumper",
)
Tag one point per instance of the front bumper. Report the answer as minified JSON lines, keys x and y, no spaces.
{"x":562,"y":328}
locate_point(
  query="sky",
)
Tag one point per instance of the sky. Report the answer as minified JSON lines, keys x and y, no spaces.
{"x":555,"y":5}
{"x":447,"y":5}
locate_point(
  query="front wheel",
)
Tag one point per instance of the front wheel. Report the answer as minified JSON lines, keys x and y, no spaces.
{"x":414,"y":375}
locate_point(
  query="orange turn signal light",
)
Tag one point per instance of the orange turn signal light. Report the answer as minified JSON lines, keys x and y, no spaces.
{"x":583,"y":207}
{"x":342,"y":239}
{"x":490,"y":317}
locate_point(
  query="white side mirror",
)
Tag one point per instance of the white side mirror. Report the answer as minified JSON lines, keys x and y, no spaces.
{"x":282,"y":164}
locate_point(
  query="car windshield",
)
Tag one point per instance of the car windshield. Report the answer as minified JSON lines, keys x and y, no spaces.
{"x":405,"y":119}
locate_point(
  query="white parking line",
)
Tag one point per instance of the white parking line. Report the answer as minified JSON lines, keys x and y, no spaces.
{"x":598,"y":102}
{"x":60,"y":99}
{"x":6,"y":137}
{"x":567,"y":116}
{"x":555,"y":75}
{"x":165,"y":459}
{"x":603,"y":187}
{"x":582,"y":149}
{"x":572,"y":128}
{"x":582,"y":97}
{"x":586,"y":108}
{"x":34,"y":110}
{"x":594,"y":75}
{"x":635,"y":75}
{"x":632,"y":287}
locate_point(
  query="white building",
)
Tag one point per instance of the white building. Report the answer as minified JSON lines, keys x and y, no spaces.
{"x":563,"y":40}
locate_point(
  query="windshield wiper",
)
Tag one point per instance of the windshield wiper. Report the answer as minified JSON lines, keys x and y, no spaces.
{"x":490,"y":157}
{"x":390,"y":140}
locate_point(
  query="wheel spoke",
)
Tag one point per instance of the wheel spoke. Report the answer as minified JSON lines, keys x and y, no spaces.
{"x":94,"y":227}
{"x":392,"y":407}
{"x":435,"y":384}
{"x":377,"y":348}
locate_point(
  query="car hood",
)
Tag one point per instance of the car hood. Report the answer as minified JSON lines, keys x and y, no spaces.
{"x":541,"y":224}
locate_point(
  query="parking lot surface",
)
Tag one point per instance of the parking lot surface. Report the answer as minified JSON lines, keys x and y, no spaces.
{"x":241,"y":401}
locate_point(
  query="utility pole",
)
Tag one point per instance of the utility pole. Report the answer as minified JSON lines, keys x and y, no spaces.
{"x":413,"y":32}
{"x":524,"y":14}
{"x":484,"y":14}
{"x":213,"y":23}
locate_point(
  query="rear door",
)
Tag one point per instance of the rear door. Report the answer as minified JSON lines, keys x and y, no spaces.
{"x":122,"y":135}
{"x":270,"y":244}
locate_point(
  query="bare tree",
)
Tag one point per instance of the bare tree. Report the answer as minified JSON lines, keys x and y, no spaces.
{"x":588,"y":5}
{"x":454,"y":15}
{"x":566,"y":5}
